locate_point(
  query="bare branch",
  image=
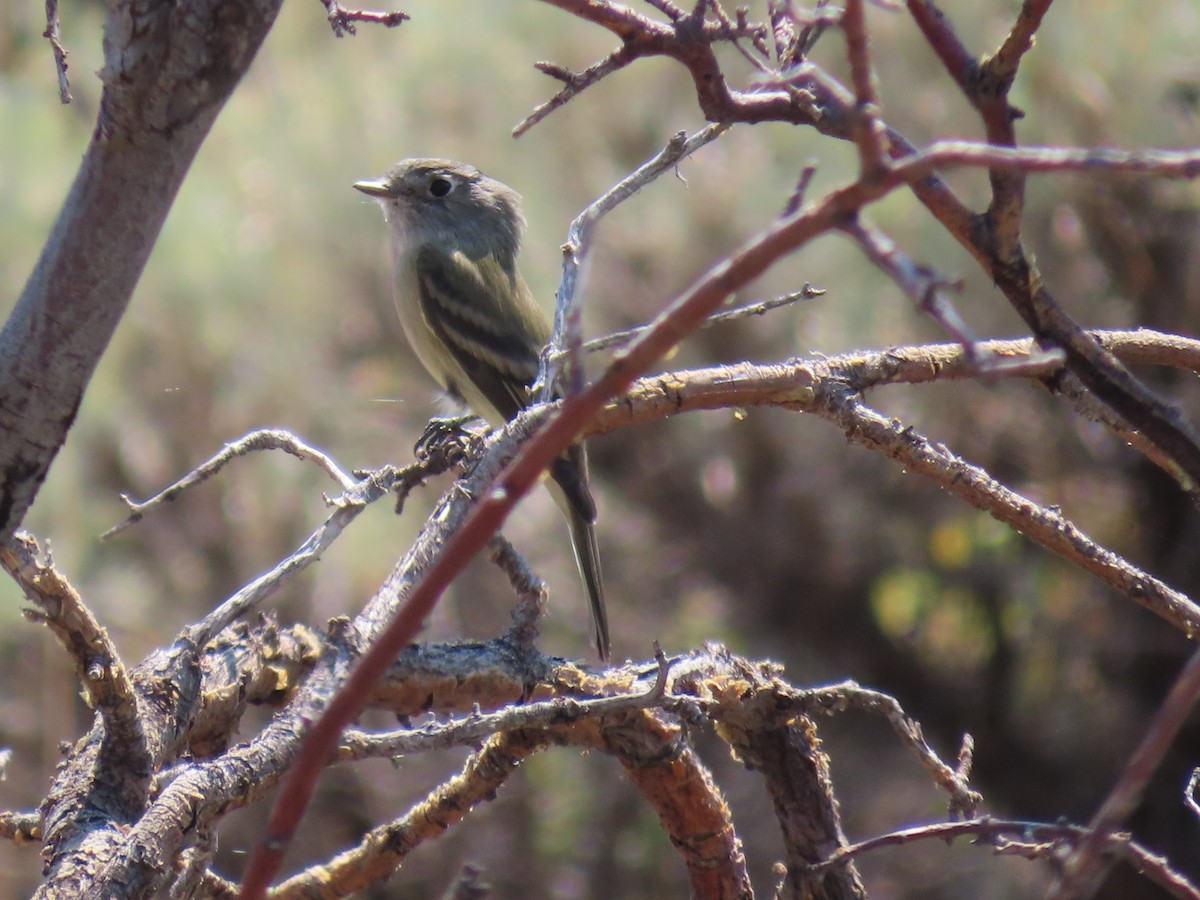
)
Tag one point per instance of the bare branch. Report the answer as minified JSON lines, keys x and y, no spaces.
{"x":346,"y":508}
{"x":1033,"y":840}
{"x":342,"y":20}
{"x":867,"y":128}
{"x":1045,"y":526}
{"x":256,"y":441}
{"x":579,"y":236}
{"x":1084,"y":869}
{"x":796,"y":31}
{"x":529,"y":588}
{"x":924,"y":287}
{"x":98,"y":665}
{"x":1189,"y":795}
{"x":758,"y":308}
{"x":60,"y":52}
{"x":830,"y":389}
{"x":470,"y":730}
{"x":954,"y":154}
{"x":574,"y":83}
{"x":964,"y":800}
{"x":1002,"y":65}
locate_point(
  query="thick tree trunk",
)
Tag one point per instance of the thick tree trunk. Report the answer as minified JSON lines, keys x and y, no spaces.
{"x":169,"y":68}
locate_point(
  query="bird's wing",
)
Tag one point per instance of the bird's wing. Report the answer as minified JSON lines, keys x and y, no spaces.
{"x":496,"y":345}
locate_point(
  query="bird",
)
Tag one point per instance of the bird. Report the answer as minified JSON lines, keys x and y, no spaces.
{"x":472,"y":321}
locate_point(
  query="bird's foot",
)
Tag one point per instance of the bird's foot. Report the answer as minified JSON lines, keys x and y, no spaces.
{"x":448,"y":439}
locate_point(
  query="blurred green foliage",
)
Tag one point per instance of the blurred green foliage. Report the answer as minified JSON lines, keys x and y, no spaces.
{"x":266,"y":303}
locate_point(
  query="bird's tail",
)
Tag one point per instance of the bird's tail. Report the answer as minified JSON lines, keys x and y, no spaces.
{"x":569,"y":478}
{"x":587,"y":557}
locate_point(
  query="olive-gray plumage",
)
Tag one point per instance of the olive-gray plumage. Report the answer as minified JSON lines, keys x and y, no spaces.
{"x":471,"y":319}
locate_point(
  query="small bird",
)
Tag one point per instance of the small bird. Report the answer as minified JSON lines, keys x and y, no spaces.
{"x":472,"y":321}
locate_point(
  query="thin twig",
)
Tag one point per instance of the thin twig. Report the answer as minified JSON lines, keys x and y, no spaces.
{"x":383,"y":848}
{"x":642,"y":36}
{"x":989,"y":92}
{"x":986,"y":87}
{"x":964,"y":800}
{"x":922,"y":285}
{"x":759,"y":61}
{"x":867,"y":128}
{"x":1002,"y":65}
{"x":530,"y":590}
{"x":342,"y":20}
{"x":1084,"y":869}
{"x":60,"y":52}
{"x":470,"y":730}
{"x":758,"y":308}
{"x":574,"y":83}
{"x":796,"y":31}
{"x":579,"y":237}
{"x":1184,"y":164}
{"x":1032,"y":840}
{"x":795,"y":199}
{"x":971,"y":483}
{"x":256,"y":441}
{"x":346,"y":508}
{"x":1189,"y":795}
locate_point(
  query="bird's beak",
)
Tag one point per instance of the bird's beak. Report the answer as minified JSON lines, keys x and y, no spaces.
{"x":376,"y":188}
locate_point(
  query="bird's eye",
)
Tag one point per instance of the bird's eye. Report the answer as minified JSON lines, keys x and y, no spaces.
{"x":440,"y":187}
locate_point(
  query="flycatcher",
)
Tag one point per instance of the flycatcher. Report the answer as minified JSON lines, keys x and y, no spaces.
{"x":473,"y":322}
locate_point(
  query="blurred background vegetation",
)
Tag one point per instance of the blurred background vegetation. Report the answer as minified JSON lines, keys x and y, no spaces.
{"x":266,"y":303}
